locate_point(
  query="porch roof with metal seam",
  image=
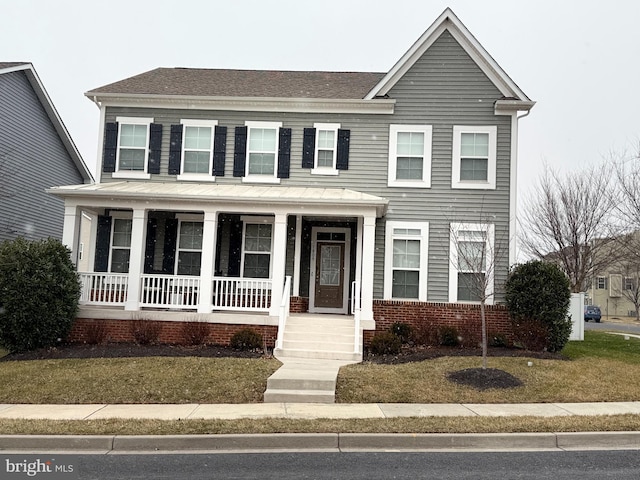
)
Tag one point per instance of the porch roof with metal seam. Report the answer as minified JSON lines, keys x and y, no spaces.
{"x":224,"y":193}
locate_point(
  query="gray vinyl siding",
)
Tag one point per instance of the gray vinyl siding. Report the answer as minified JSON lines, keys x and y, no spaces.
{"x":444,"y":88}
{"x":32,"y":159}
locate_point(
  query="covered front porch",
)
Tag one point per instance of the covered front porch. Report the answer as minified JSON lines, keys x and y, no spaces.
{"x":216,"y":249}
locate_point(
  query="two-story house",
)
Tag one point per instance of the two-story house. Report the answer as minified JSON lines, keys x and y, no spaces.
{"x":36,"y":153}
{"x":360,"y":188}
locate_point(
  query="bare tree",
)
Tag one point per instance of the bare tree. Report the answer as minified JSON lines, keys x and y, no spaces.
{"x":626,"y":168}
{"x":568,"y":220}
{"x":475,"y":255}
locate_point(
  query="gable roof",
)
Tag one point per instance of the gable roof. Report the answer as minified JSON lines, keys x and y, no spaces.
{"x":52,"y":113}
{"x":245,"y":83}
{"x":450,"y":22}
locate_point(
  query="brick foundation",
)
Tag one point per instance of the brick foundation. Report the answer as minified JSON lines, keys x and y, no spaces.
{"x":299,"y":305}
{"x":169,"y":332}
{"x":425,"y":318}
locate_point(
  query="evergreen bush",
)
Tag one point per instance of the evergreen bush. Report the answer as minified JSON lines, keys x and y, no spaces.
{"x":39,"y":293}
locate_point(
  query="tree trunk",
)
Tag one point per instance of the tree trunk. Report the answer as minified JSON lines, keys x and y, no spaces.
{"x":484,"y":335}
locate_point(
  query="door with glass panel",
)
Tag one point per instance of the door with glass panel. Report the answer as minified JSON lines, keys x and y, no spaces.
{"x":329,"y":275}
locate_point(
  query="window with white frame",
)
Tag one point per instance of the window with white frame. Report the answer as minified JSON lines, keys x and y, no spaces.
{"x":471,"y":261}
{"x":262,"y":151}
{"x":601,"y":283}
{"x":326,"y":149}
{"x":133,"y":145}
{"x":406,"y":249}
{"x":474,"y":157}
{"x":629,"y":283}
{"x":256,"y":249}
{"x":120,"y":245}
{"x":410,"y":156}
{"x":197,"y":148}
{"x":189,"y":247}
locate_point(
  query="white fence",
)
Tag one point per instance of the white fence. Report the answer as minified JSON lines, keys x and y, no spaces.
{"x":104,"y":288}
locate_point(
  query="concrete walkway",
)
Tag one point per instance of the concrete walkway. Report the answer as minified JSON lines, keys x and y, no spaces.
{"x":309,"y":410}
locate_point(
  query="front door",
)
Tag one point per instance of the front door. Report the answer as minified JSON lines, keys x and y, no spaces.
{"x":329,"y":271}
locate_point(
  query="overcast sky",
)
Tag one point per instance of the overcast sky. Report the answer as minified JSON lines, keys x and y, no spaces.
{"x":579,"y":60}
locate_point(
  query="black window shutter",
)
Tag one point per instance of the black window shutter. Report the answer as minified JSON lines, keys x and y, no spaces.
{"x":110,"y":146}
{"x":170,"y":240}
{"x":155,"y":145}
{"x":103,"y":242}
{"x":219,"y":150}
{"x":175,"y":149}
{"x":342,"y":159}
{"x":150,"y":247}
{"x":308,"y":147}
{"x":240,"y":151}
{"x":284,"y":153}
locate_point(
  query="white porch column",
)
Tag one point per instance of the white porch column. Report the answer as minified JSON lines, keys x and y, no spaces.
{"x":207,"y":262}
{"x":278,"y":260}
{"x":136,"y":258}
{"x":368,"y":252}
{"x":71,"y":230}
{"x":297,"y":257}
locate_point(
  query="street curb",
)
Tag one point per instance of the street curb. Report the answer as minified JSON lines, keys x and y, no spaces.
{"x":321,"y":441}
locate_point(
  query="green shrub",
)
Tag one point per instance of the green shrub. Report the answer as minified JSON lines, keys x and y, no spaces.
{"x":246,"y":339}
{"x":39,"y":293}
{"x":539,"y":291}
{"x":448,"y":336}
{"x":385,"y":343}
{"x":531,"y":335}
{"x":401,"y":330}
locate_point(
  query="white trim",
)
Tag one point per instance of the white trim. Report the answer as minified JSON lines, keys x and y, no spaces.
{"x":297,"y":256}
{"x":490,"y":183}
{"x":345,"y":272}
{"x":454,"y":237}
{"x":394,"y":130}
{"x":135,"y":174}
{"x":256,"y":178}
{"x":324,"y":170}
{"x":197,"y":177}
{"x":513,"y":192}
{"x":423,"y":237}
{"x":449,"y":21}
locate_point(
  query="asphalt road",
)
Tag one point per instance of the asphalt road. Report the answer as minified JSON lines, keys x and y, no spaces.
{"x":580,"y":465}
{"x":605,"y":325}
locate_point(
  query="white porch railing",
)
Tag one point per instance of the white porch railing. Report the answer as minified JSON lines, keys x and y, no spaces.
{"x":356,"y":308}
{"x":169,"y":291}
{"x":283,"y":316}
{"x":249,"y":294}
{"x":104,"y":288}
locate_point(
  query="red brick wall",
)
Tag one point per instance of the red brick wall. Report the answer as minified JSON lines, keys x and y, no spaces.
{"x":428,"y":317}
{"x":169,"y":332}
{"x":299,"y":305}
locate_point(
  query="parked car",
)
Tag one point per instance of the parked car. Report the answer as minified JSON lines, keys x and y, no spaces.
{"x":591,"y":312}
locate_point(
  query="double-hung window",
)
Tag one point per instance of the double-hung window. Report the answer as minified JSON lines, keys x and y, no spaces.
{"x":189,"y":251}
{"x":326,"y":148}
{"x":132,"y":153}
{"x":262,"y":152}
{"x":406,"y":249}
{"x":120,"y":245}
{"x":410,"y":156}
{"x":601,"y":283}
{"x":471,"y":257}
{"x":474,"y":157}
{"x":197,"y":149}
{"x":257,"y":247}
{"x":629,"y":283}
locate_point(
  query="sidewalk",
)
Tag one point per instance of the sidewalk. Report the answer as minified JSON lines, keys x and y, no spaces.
{"x":307,"y":410}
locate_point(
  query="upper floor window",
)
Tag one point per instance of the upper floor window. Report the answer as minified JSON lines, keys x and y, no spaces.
{"x":132,"y":153}
{"x":474,"y":157}
{"x":601,"y":283}
{"x":256,"y":251}
{"x":406,"y":245}
{"x":410,"y":156}
{"x":629,"y":283}
{"x":262,"y":151}
{"x":197,"y":149}
{"x":326,"y":147}
{"x":471,"y":257}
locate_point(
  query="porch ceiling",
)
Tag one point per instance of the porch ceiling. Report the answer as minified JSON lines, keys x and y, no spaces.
{"x":239,"y":194}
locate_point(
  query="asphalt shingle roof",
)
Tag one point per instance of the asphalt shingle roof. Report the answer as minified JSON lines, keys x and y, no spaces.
{"x":245,"y":83}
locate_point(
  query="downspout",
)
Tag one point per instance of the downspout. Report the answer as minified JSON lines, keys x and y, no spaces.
{"x":513,"y":250}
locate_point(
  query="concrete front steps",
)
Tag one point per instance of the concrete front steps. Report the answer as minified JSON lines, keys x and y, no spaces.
{"x":314,"y":348}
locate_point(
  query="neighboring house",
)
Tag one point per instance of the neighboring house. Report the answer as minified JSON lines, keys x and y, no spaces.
{"x":217,"y":185}
{"x":36,"y":153}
